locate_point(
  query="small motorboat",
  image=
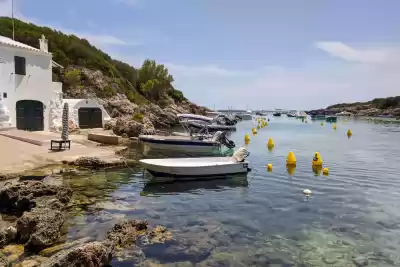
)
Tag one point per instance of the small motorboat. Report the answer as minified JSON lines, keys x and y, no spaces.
{"x":201,"y":168}
{"x":191,"y":143}
{"x":291,"y":114}
{"x":246,"y":116}
{"x":331,"y":119}
{"x":277,"y":114}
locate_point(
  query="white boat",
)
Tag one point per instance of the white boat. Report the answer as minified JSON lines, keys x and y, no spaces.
{"x":219,"y":123}
{"x":246,"y":116}
{"x":193,"y":143}
{"x":203,"y":167}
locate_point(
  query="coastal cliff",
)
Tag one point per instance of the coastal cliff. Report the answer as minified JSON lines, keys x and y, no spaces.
{"x":139,"y":100}
{"x":389,"y":106}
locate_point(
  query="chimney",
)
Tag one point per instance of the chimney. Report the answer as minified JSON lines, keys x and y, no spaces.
{"x":43,"y":44}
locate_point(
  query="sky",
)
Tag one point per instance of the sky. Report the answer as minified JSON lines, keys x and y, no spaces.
{"x":259,"y":54}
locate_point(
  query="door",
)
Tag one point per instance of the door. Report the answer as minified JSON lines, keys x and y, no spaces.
{"x":90,"y":118}
{"x":30,"y":115}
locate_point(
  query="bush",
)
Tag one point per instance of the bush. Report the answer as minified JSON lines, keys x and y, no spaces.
{"x":72,"y":77}
{"x":138,"y":117}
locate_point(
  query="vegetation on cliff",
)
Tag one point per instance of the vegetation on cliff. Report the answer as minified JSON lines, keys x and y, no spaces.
{"x":377,"y":106}
{"x":149,"y":83}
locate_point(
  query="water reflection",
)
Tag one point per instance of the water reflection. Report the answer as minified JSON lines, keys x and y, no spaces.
{"x":195,"y":186}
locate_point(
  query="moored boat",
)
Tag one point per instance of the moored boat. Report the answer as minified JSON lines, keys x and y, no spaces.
{"x":197,"y":168}
{"x":193,"y":143}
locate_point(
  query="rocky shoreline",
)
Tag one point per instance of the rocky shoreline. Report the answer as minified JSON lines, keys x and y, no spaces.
{"x":41,"y":211}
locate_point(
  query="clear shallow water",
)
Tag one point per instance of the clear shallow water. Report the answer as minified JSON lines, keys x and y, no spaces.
{"x":352,"y":217}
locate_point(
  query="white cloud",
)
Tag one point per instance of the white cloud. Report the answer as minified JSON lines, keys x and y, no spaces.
{"x":211,"y":70}
{"x":363,"y":75}
{"x":338,"y":49}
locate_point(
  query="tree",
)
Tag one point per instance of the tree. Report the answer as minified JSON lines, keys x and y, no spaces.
{"x":153,"y":79}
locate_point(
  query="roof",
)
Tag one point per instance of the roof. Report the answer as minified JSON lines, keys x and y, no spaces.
{"x":7,"y":41}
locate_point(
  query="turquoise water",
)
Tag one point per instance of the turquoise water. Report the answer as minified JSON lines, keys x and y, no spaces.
{"x":352,"y":217}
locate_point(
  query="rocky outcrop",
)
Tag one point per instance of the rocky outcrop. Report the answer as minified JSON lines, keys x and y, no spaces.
{"x":28,"y":194}
{"x":125,"y":125}
{"x":7,"y":235}
{"x":97,"y":163}
{"x":41,"y":206}
{"x":40,"y":227}
{"x":94,"y":254}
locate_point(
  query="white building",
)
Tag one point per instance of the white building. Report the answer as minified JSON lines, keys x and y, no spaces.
{"x":26,"y":86}
{"x":29,"y":99}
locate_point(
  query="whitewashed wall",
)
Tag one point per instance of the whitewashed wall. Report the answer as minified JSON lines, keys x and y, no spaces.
{"x":35,"y":85}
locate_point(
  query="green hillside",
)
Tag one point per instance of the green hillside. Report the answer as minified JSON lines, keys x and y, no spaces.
{"x":149,"y":83}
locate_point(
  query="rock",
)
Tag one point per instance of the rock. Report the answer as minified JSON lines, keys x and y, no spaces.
{"x":109,"y":125}
{"x":360,"y":261}
{"x":3,"y":261}
{"x":13,"y":252}
{"x":7,"y":235}
{"x":40,"y":227}
{"x":148,"y":127}
{"x":125,"y":234}
{"x":88,"y":162}
{"x":34,"y":261}
{"x":48,"y":252}
{"x":28,"y":194}
{"x":128,"y":126}
{"x":159,"y":235}
{"x":94,"y":254}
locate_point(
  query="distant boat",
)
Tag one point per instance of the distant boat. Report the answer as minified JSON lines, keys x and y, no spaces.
{"x":331,"y":119}
{"x":344,"y":113}
{"x":291,"y":114}
{"x":246,"y":116}
{"x":277,"y":114}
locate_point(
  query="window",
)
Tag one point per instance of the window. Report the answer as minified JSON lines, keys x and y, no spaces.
{"x":20,"y":66}
{"x":4,"y":95}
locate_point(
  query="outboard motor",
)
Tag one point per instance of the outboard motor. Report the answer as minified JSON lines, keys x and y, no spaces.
{"x":220,"y":136}
{"x":240,"y":154}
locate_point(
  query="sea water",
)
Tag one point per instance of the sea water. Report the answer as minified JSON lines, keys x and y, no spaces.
{"x":352,"y":217}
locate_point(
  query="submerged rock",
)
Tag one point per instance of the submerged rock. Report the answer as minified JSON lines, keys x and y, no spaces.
{"x":57,"y":248}
{"x":40,"y":227}
{"x":28,"y":194}
{"x":94,"y":254}
{"x":159,"y":234}
{"x":125,"y":234}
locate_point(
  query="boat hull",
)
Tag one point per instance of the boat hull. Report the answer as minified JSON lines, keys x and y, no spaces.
{"x":181,"y":143}
{"x":194,"y":168}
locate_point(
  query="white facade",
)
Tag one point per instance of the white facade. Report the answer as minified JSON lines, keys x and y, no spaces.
{"x":74,"y":106}
{"x":37,"y":82}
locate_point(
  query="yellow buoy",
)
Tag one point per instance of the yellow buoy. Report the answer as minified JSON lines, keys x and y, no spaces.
{"x":291,"y":169}
{"x":325,"y":171}
{"x":258,"y":127}
{"x":269,"y":167}
{"x":271,"y":143}
{"x":317,"y":170}
{"x":322,"y":124}
{"x":334,"y":126}
{"x":307,"y":192}
{"x":246,"y":138}
{"x":349,"y":133}
{"x":291,"y":159}
{"x":317,"y":160}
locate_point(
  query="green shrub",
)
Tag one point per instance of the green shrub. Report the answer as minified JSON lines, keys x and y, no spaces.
{"x":138,"y":117}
